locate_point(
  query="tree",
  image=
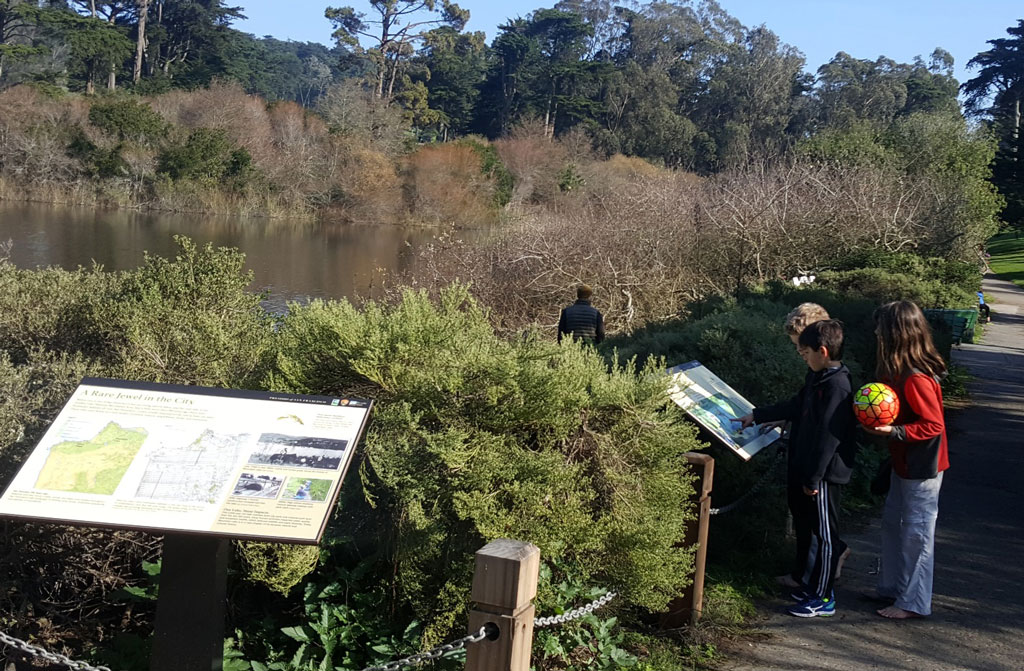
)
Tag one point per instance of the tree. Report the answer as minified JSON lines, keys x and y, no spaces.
{"x":750,"y":99}
{"x":398,"y":26}
{"x":19,"y":22}
{"x":140,"y":40}
{"x":539,"y":69}
{"x":95,"y":45}
{"x":997,"y":91}
{"x":455,"y":65}
{"x":191,"y":40}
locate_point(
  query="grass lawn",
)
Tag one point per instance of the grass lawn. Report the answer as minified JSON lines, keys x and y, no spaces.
{"x":1007,"y":250}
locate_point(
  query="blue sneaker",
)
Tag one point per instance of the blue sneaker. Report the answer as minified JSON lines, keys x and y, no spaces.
{"x":813,"y":607}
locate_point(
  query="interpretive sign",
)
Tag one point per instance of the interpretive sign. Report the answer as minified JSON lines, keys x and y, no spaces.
{"x":172,"y":458}
{"x":714,"y":404}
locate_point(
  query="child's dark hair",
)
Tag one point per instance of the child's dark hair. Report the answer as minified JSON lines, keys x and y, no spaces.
{"x":905,"y":342}
{"x":827,"y":333}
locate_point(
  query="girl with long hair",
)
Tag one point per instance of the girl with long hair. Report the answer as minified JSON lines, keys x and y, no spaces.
{"x":910,"y":364}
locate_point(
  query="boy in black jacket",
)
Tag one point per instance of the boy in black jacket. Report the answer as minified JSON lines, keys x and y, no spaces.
{"x":822,"y":448}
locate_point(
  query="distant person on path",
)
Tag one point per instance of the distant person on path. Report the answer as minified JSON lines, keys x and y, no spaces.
{"x":581,"y":320}
{"x":822,"y":449}
{"x":909,"y":362}
{"x":984,"y":311}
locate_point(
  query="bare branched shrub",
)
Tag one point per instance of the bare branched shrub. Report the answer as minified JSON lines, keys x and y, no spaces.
{"x":352,"y":111}
{"x":649,"y":240}
{"x":445,"y":185}
{"x":534,"y":160}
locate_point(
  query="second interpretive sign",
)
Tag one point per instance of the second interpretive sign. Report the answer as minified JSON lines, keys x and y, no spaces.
{"x":171,"y":458}
{"x":716,"y":406}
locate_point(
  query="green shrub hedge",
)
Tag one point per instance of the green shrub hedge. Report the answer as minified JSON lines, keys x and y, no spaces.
{"x":472,"y":438}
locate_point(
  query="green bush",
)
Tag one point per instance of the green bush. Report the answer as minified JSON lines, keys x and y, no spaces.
{"x":206,"y":155}
{"x":492,"y":168}
{"x":104,"y":162}
{"x":128,"y":119}
{"x":475,"y":438}
{"x":882,"y":286}
{"x":51,"y":310}
{"x":189,"y":320}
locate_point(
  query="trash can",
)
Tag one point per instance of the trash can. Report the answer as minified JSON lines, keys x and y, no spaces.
{"x":960,"y":322}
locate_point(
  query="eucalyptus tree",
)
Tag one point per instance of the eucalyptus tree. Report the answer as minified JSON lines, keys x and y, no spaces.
{"x":395,"y":30}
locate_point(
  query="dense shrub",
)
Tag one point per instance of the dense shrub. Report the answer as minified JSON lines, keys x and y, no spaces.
{"x":475,"y":438}
{"x":206,"y":155}
{"x":492,"y":168}
{"x":189,"y":320}
{"x":128,"y":119}
{"x":445,"y":184}
{"x":881,"y":286}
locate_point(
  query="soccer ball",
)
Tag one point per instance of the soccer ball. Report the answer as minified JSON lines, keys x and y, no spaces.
{"x":876,"y":404}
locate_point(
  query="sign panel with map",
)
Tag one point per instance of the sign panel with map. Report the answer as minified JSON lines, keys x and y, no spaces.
{"x":714,"y":404}
{"x":241,"y":464}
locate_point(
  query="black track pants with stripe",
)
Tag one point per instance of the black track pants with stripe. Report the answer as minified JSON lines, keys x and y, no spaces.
{"x":817,"y":517}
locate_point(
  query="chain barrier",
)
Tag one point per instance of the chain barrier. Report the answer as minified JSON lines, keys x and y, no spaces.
{"x":768,"y":473}
{"x":485,"y":630}
{"x":52,"y":657}
{"x":539,"y":622}
{"x":414,"y":660}
{"x":437,"y":652}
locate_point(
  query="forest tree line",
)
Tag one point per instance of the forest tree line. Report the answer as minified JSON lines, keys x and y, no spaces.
{"x":681,"y":84}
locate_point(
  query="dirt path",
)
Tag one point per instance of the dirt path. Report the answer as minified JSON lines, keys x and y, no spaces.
{"x":978,"y":605}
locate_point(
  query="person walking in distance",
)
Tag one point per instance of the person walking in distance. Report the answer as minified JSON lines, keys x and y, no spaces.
{"x":581,"y":320}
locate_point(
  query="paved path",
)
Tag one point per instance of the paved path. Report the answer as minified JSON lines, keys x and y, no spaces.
{"x":978,"y":606}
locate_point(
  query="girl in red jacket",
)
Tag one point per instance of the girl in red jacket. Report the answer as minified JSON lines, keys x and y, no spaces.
{"x":909,"y":362}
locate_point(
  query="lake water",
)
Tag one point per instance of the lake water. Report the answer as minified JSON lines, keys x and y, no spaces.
{"x":293,"y":260}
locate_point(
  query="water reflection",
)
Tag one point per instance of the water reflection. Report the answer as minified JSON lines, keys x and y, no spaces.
{"x":294,"y":260}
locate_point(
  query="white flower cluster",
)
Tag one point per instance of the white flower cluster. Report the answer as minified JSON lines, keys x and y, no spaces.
{"x":803,"y":279}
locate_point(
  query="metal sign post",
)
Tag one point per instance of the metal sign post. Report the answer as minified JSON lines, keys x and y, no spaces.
{"x":190,"y":610}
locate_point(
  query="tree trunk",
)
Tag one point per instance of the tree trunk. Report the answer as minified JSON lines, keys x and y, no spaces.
{"x":92,"y":8}
{"x":1016,"y":126}
{"x":140,"y":45}
{"x":394,"y":73}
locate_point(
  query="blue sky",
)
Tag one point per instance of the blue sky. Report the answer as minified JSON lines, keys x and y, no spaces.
{"x":899,"y":29}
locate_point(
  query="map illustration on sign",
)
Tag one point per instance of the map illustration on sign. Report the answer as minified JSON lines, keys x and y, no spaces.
{"x":714,"y":404}
{"x":170,"y":458}
{"x":194,"y":471}
{"x":93,"y":466}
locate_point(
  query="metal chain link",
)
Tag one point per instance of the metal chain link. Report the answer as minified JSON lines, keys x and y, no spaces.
{"x":482,"y":634}
{"x":573,"y":614}
{"x":53,"y":657}
{"x":768,"y":473}
{"x":439,"y":651}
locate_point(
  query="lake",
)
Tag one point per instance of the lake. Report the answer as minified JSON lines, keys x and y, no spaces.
{"x":293,"y":260}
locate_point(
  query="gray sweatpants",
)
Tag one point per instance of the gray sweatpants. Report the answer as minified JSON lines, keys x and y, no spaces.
{"x":908,"y":543}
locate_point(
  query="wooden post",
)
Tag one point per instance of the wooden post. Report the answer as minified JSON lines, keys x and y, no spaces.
{"x":190,"y":610}
{"x":687,"y":608}
{"x":504,"y":585}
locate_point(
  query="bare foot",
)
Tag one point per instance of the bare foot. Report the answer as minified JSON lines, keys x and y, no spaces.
{"x":896,"y":613}
{"x":842,"y":560}
{"x":787,"y":581}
